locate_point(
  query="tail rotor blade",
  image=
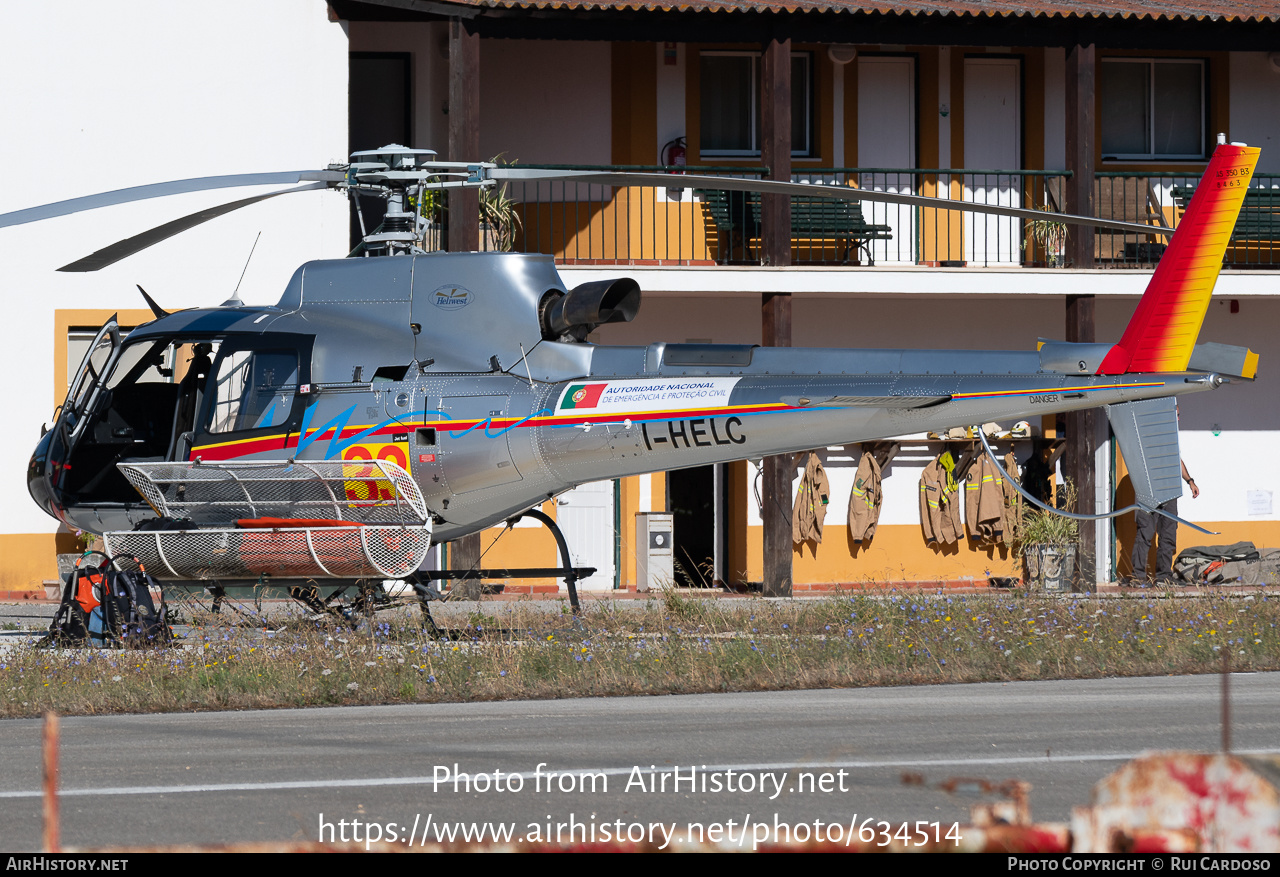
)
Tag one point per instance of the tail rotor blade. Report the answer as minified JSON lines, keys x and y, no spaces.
{"x":109,"y":255}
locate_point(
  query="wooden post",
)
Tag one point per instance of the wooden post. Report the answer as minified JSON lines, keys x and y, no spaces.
{"x":1083,"y":427}
{"x":775,"y":234}
{"x":1083,"y":436}
{"x":775,"y":489}
{"x":775,"y":152}
{"x":1080,"y":153}
{"x":464,"y":133}
{"x":464,"y":553}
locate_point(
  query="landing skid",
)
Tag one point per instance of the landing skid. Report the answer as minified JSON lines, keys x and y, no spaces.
{"x":570,"y":573}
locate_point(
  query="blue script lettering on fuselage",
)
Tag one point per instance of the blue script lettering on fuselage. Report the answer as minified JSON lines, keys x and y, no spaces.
{"x":338,"y":424}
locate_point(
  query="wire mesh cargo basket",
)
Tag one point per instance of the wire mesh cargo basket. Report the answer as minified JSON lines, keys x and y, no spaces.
{"x":339,"y":519}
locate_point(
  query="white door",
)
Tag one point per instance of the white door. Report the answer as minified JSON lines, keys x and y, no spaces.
{"x":993,"y":141}
{"x":887,"y":139}
{"x":585,"y":514}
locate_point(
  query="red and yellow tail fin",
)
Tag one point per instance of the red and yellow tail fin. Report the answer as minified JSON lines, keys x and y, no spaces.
{"x":1164,"y":328}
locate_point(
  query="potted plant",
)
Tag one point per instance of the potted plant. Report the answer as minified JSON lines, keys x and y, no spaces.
{"x":1048,"y":542}
{"x":1050,"y":235}
{"x":429,"y":204}
{"x":499,"y":217}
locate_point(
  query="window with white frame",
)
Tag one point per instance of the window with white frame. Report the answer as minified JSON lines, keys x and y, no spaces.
{"x":1152,"y":108}
{"x":730,"y":102}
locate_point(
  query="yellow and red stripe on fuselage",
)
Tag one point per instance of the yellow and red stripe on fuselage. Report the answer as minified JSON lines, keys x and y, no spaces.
{"x":493,"y":426}
{"x":388,"y":440}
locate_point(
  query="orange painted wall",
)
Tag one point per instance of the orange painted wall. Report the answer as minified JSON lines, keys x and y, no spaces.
{"x":896,"y":553}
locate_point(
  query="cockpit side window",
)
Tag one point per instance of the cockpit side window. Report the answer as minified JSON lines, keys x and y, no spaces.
{"x":253,"y":389}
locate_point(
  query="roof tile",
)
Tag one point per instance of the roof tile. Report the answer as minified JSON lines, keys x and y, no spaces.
{"x":1241,"y":10}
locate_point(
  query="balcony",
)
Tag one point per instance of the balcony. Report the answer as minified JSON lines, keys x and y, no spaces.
{"x":1160,"y":199}
{"x":678,"y":225}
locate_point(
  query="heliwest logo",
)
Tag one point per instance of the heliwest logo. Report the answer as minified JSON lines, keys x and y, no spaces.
{"x":452,"y":298}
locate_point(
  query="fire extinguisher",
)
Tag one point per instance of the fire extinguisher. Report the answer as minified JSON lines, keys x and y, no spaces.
{"x":673,"y":155}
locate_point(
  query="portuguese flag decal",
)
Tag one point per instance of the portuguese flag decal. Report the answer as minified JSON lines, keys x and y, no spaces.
{"x":582,"y":396}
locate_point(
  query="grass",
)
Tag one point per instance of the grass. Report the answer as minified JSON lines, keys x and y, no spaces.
{"x":666,"y":646}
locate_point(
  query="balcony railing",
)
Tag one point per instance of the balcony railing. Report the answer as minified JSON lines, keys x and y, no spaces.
{"x":582,"y":223}
{"x":1159,"y":198}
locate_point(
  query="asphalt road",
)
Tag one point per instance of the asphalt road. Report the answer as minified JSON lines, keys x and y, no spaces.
{"x":270,"y":775}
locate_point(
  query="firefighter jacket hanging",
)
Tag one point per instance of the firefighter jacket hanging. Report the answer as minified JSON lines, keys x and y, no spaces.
{"x":984,"y":502}
{"x":1012,"y":501}
{"x":811,"y":502}
{"x":940,"y":504}
{"x":864,"y":500}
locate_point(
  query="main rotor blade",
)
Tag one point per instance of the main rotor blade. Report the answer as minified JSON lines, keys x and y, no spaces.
{"x":159,"y":190}
{"x":113,"y":253}
{"x":776,"y":187}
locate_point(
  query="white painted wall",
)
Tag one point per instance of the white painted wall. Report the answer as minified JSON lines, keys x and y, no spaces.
{"x":428,"y":46}
{"x":1055,"y":108}
{"x":671,"y":88}
{"x":545,"y":102}
{"x":105,"y":96}
{"x":1255,"y":106}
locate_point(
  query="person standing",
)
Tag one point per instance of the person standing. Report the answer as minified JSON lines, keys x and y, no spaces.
{"x":1165,"y":531}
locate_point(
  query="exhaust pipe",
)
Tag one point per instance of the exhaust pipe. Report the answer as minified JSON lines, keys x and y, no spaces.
{"x":572,"y":316}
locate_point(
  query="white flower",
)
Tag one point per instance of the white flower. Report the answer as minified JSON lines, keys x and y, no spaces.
{"x":371,"y":663}
{"x":325,"y":672}
{"x":352,"y":686}
{"x":115,"y":678}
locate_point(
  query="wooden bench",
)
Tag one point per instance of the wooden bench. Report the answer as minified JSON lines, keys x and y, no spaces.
{"x":737,"y":219}
{"x":1259,"y":219}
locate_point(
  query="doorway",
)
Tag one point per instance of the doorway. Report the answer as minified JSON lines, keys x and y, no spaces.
{"x":993,"y":141}
{"x":586,"y":515}
{"x":697,"y":499}
{"x":379,"y":112}
{"x":887,"y":139}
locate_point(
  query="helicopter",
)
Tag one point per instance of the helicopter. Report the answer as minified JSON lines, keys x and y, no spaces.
{"x":397,"y":398}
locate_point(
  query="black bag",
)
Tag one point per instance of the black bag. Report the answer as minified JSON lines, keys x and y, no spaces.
{"x":109,"y":603}
{"x":131,"y":615}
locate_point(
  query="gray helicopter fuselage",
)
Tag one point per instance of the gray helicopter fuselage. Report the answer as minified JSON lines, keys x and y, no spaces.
{"x":444,"y":364}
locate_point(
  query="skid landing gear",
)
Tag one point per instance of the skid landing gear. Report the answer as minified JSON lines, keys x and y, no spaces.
{"x":371,"y":597}
{"x":570,"y":573}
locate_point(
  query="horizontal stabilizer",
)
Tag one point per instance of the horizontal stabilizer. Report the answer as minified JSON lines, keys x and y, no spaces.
{"x":1147,"y":432}
{"x":864,"y":401}
{"x":1238,"y":362}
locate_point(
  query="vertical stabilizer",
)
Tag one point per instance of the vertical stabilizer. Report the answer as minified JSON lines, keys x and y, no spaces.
{"x":1164,"y":328}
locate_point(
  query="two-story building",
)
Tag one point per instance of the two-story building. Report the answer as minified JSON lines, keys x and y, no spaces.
{"x":1102,"y":107}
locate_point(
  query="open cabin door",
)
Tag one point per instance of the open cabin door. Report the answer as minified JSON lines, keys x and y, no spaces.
{"x":88,"y":385}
